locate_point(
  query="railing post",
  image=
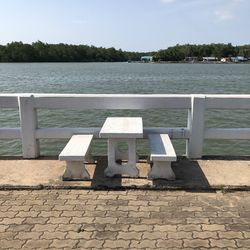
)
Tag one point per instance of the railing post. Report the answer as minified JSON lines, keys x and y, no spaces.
{"x":28,"y":122}
{"x":196,"y":127}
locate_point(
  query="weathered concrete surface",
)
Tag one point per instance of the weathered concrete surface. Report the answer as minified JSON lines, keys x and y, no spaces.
{"x":128,"y":219}
{"x":200,"y":174}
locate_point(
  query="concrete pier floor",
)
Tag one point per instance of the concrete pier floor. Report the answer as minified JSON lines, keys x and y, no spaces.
{"x":208,"y":173}
{"x":207,"y":207}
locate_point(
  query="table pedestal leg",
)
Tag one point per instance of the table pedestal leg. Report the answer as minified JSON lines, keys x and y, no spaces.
{"x":117,"y":169}
{"x":121,"y":155}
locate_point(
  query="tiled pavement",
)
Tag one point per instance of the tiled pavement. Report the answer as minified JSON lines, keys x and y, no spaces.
{"x":130,"y":219}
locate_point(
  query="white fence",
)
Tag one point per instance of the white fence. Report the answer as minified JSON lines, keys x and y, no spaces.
{"x":194,"y":133}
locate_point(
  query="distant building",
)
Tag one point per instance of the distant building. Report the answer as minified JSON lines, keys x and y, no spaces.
{"x":225,"y":59}
{"x":191,"y":59}
{"x":209,"y":59}
{"x":238,"y":59}
{"x":147,"y":59}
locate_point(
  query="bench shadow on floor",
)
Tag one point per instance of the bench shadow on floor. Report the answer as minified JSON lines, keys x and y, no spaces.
{"x":99,"y":181}
{"x":189,"y":175}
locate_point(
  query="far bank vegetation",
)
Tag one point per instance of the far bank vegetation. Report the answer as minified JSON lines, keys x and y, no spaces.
{"x":44,"y":52}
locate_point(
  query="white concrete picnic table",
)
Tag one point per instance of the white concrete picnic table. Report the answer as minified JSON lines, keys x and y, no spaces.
{"x":122,"y":129}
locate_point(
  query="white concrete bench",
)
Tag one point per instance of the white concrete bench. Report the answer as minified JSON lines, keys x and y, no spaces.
{"x":161,"y":155}
{"x":75,"y":153}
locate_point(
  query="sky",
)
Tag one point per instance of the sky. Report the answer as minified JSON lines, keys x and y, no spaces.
{"x":131,"y":25}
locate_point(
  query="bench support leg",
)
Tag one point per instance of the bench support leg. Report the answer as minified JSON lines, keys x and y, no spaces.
{"x":119,"y":169}
{"x":161,"y":170}
{"x":75,"y":170}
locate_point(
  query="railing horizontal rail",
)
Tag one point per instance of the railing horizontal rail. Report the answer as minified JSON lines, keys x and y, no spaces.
{"x":227,"y":133}
{"x":174,"y":133}
{"x":65,"y":133}
{"x":10,"y":133}
{"x":126,"y":101}
{"x":8,"y":101}
{"x":112,"y":102}
{"x":227,"y":101}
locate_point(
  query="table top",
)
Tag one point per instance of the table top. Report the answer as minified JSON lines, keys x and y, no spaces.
{"x":122,"y":127}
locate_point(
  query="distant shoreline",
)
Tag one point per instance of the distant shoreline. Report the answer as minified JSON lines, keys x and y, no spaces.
{"x":162,"y":62}
{"x":183,"y":62}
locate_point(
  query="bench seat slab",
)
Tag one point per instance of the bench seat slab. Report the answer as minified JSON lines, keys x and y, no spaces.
{"x":162,"y":154}
{"x":75,"y":153}
{"x":161,"y":148}
{"x":76,"y":149}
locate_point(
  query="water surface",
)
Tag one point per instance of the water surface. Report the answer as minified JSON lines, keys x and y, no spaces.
{"x":132,"y":78}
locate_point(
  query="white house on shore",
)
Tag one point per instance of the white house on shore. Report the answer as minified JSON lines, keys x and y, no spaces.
{"x":209,"y":59}
{"x":147,"y":58}
{"x":238,"y":59}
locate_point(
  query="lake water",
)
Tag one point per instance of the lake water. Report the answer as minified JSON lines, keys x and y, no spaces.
{"x":132,"y":78}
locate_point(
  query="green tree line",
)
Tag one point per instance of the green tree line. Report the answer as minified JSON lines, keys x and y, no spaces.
{"x":44,"y":52}
{"x":180,"y":52}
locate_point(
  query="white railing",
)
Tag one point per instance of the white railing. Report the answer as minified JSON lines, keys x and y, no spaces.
{"x":194,"y":133}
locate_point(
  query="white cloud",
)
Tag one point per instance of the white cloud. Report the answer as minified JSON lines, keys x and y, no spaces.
{"x":168,"y":1}
{"x":228,"y":10}
{"x":223,"y":15}
{"x":238,"y":1}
